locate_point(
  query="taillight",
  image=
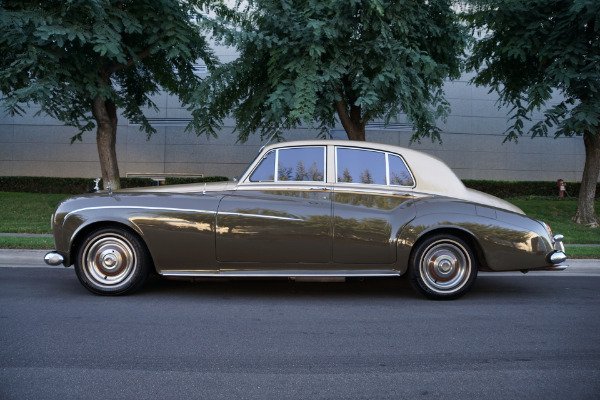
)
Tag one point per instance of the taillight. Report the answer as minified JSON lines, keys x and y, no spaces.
{"x":547,"y":228}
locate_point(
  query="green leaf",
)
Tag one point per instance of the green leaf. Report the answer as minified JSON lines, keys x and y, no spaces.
{"x":380,"y":57}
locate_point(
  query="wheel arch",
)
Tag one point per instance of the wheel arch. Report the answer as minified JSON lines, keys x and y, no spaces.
{"x":80,"y":235}
{"x":464,"y":234}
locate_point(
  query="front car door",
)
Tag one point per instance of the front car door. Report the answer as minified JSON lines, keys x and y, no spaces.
{"x":280,"y":216}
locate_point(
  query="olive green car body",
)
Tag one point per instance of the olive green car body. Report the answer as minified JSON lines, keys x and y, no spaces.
{"x":328,"y":228}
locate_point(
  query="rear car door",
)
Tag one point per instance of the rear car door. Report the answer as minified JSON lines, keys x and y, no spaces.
{"x":372,"y":202}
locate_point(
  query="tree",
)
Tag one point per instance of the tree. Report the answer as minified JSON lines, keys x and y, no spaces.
{"x":301,"y":62}
{"x":83,"y":60}
{"x":346,"y":177}
{"x":366,"y":177}
{"x":532,"y":49}
{"x":301,"y":173}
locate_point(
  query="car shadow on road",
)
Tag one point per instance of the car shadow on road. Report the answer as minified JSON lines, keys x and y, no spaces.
{"x":509,"y":287}
{"x":57,"y":282}
{"x":353,"y":287}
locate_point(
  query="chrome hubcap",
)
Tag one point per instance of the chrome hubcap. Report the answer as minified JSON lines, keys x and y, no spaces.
{"x":445,"y":266}
{"x":109,"y":260}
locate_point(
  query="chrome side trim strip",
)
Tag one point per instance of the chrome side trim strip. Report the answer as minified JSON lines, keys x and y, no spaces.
{"x":283,"y":274}
{"x":190,"y":273}
{"x":184,"y":210}
{"x":140,"y":208}
{"x":260,"y":216}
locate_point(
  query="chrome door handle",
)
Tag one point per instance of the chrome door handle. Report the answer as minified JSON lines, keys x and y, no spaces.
{"x":318,"y":188}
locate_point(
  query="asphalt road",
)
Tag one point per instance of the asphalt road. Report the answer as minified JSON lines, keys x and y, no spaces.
{"x":513,"y":336}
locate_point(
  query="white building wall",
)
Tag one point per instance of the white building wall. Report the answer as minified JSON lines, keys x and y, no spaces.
{"x":472,"y":144}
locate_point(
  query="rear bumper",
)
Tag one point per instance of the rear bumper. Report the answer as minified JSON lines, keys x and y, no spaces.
{"x":54,"y":258}
{"x":558,"y":256}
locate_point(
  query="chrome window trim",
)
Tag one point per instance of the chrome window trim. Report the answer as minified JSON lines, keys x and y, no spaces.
{"x":276,"y":172}
{"x":387,"y":168}
{"x":373,"y":189}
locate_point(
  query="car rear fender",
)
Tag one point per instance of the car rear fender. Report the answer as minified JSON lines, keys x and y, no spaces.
{"x":420,"y":228}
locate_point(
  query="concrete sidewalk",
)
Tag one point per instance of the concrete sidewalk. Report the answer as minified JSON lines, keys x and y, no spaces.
{"x":10,"y":258}
{"x":24,"y":258}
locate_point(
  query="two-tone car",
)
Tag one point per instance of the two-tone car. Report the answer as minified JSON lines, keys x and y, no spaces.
{"x":320,"y":208}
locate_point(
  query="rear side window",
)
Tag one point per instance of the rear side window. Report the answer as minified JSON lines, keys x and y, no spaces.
{"x":292,"y":164}
{"x":399,"y":174}
{"x":371,"y":167}
{"x":360,"y":166}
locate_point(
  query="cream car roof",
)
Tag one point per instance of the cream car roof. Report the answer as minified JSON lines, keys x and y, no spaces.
{"x":432,"y":175}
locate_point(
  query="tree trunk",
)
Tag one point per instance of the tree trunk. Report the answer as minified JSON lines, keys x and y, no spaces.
{"x":354,"y":127}
{"x":105,"y":114}
{"x":585,"y":213}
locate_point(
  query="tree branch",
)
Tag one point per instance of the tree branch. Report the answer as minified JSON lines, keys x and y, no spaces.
{"x":342,"y":110}
{"x":117,"y":67}
{"x":351,"y":120}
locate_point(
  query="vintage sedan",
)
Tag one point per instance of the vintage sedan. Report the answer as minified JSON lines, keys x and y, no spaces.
{"x":305,"y":209}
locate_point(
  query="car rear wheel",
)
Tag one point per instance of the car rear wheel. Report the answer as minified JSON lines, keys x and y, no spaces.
{"x":112,"y":261}
{"x":443,"y":267}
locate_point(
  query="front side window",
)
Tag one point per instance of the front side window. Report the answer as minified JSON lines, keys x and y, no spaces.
{"x":293,"y":164}
{"x":265,"y":172}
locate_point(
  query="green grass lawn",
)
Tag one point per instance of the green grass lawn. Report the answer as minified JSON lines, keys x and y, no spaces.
{"x":27,"y":212}
{"x":557,"y":214}
{"x":30,"y":213}
{"x":582,"y":252}
{"x":12,"y":242}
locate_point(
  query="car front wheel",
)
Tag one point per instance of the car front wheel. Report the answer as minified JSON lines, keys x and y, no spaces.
{"x":443,"y":267}
{"x":112,"y":261}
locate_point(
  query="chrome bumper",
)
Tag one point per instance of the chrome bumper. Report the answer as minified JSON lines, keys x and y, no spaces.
{"x":557,"y":256}
{"x":53,"y":258}
{"x":558,"y":243}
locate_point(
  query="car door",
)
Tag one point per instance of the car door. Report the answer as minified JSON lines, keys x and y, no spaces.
{"x":281,"y":214}
{"x":372,"y":202}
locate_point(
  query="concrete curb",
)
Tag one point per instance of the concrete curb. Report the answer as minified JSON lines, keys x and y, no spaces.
{"x":23,"y":258}
{"x":27,"y":234}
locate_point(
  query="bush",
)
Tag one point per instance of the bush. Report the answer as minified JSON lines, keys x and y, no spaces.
{"x":506,"y":189}
{"x":39,"y":184}
{"x":179,"y":181}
